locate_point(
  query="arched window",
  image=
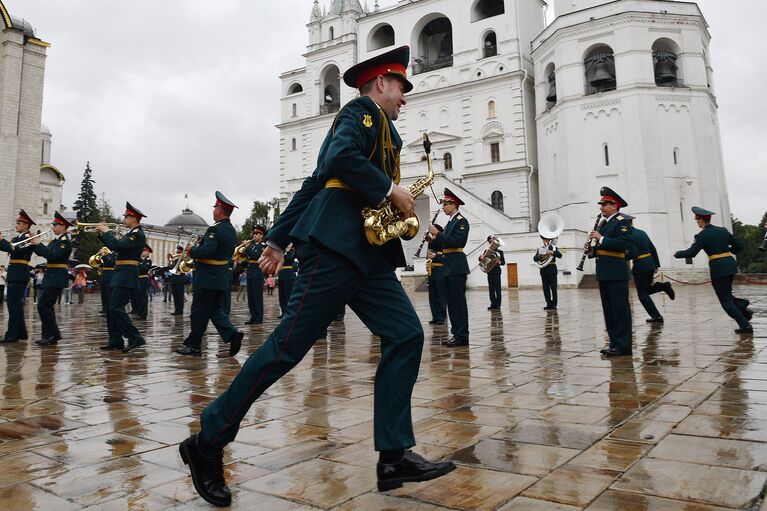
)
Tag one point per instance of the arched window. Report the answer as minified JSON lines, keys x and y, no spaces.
{"x":665,"y":53}
{"x":551,"y":76}
{"x":599,"y":65}
{"x":676,"y":156}
{"x":295,"y":110}
{"x":435,"y":46}
{"x":448,"y":159}
{"x":489,"y":45}
{"x":331,"y":33}
{"x":496,"y":200}
{"x":381,"y":37}
{"x":606,"y":150}
{"x":45,"y":208}
{"x":486,"y":9}
{"x":293,"y":145}
{"x":330,"y":101}
{"x":295,"y":89}
{"x":491,"y":109}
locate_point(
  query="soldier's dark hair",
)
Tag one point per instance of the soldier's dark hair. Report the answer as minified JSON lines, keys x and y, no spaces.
{"x":367,"y":86}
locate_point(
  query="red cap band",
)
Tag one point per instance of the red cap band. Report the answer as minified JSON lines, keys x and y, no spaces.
{"x":59,"y":221}
{"x":608,"y":198}
{"x":383,"y":69}
{"x":23,"y":219}
{"x":450,"y":198}
{"x":223,"y":205}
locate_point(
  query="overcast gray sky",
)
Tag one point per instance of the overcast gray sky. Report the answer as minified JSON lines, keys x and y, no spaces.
{"x":181,"y":96}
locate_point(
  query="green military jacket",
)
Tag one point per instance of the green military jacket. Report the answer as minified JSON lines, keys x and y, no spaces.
{"x":18,"y":269}
{"x":144,"y":265}
{"x":56,"y":253}
{"x":253,"y":252}
{"x":107,"y":268}
{"x":611,"y":252}
{"x":719,"y":245}
{"x":211,"y":256}
{"x":453,"y":240}
{"x":289,"y":266}
{"x":438,"y":267}
{"x":331,"y":216}
{"x":642,"y":253}
{"x":128,"y":253}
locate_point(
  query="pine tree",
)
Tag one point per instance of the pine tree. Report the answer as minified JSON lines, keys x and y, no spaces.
{"x":259,"y":215}
{"x":85,"y":205}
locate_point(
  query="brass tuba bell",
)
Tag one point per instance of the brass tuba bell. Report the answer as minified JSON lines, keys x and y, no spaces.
{"x":552,"y":95}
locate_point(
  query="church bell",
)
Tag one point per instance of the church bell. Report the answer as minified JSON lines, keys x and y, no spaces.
{"x":665,"y":68}
{"x":552,"y":95}
{"x":603,"y":75}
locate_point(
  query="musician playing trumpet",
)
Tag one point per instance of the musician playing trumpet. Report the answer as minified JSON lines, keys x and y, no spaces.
{"x":548,"y":252}
{"x":18,"y":276}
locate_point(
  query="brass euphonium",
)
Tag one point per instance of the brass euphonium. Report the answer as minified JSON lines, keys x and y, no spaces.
{"x":385,"y":222}
{"x":491,"y":257}
{"x":97,"y":259}
{"x":239,"y":255}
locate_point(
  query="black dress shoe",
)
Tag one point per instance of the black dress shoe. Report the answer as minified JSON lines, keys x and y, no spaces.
{"x":186,"y":350}
{"x":437,"y":322}
{"x":669,"y":290}
{"x":748,"y":313}
{"x":659,"y":319}
{"x":133,"y":345}
{"x":50,"y":341}
{"x":110,"y":347}
{"x":9,"y":340}
{"x":453,"y":343}
{"x":604,"y":351}
{"x":235,"y":343}
{"x":411,"y":468}
{"x":207,"y":472}
{"x":745,"y":330}
{"x":614,"y":352}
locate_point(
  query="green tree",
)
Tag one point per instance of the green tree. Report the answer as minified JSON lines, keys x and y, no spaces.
{"x":85,"y":205}
{"x":750,"y":259}
{"x":106,"y":214}
{"x":260,"y":214}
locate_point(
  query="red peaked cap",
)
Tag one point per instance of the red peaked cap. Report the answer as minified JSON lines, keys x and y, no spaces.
{"x":449,"y":196}
{"x":224,"y":203}
{"x":609,"y":195}
{"x":393,"y":62}
{"x":148,"y":249}
{"x":134,"y":212}
{"x":58,"y":219}
{"x":23,"y":217}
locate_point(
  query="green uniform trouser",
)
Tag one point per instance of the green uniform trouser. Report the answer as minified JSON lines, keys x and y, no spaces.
{"x":437,"y":297}
{"x":208,"y":305}
{"x":256,"y":299}
{"x":457,"y":309}
{"x":119,"y":323}
{"x":45,"y":303}
{"x":17,"y":327}
{"x":141,"y":302}
{"x":617,"y":312}
{"x":177,"y":289}
{"x":328,"y":280}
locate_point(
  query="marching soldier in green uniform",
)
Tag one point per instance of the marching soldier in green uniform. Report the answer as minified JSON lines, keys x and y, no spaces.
{"x":107,"y":269}
{"x":645,"y":262}
{"x":357,"y":167}
{"x":613,"y":240}
{"x":18,"y":278}
{"x":255,"y":277}
{"x":177,"y":285}
{"x":720,"y":245}
{"x":287,"y":277}
{"x":141,"y":302}
{"x":56,"y":277}
{"x":453,"y":240}
{"x":436,"y":281}
{"x":212,"y":279}
{"x":124,"y":280}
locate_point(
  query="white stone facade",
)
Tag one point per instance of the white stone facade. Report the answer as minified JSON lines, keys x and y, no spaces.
{"x":499,"y":144}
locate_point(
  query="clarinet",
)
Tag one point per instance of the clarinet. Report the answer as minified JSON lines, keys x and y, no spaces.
{"x":587,"y":251}
{"x":420,"y":247}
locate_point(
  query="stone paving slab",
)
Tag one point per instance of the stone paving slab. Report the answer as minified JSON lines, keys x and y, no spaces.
{"x":534,"y":418}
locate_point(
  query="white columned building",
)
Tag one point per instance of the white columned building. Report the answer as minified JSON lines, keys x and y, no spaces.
{"x":481,"y":71}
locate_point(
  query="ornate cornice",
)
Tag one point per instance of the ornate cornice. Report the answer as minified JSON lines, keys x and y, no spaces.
{"x":5,"y":16}
{"x":38,"y":42}
{"x":601,"y":104}
{"x":673,"y":99}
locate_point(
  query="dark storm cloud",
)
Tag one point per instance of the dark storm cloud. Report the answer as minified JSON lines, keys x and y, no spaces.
{"x":172,"y":97}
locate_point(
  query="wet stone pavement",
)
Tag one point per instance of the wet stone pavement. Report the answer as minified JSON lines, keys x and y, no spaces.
{"x":534,"y":418}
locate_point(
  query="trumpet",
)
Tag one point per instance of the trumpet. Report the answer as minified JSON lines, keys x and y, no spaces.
{"x":93,"y":227}
{"x":185,"y":264}
{"x":27,"y":241}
